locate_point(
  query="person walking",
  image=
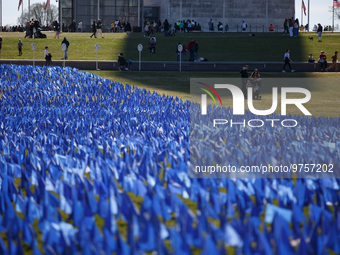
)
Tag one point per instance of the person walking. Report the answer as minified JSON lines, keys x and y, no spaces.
{"x":27,"y":29}
{"x":189,"y":25}
{"x":122,"y":26}
{"x":291,"y":27}
{"x":152,"y":27}
{"x":166,"y":28}
{"x":210,"y":24}
{"x":80,"y":27}
{"x":152,"y":43}
{"x":191,"y":48}
{"x":244,"y":26}
{"x":147,"y":29}
{"x":196,"y":51}
{"x":57,"y":29}
{"x":94,"y":29}
{"x":99,"y":28}
{"x":47,"y":56}
{"x":118,"y":26}
{"x":128,"y":29}
{"x":184,"y":52}
{"x":244,"y":76}
{"x":287,"y":61}
{"x":296,"y":27}
{"x":334,"y":62}
{"x":285,"y":27}
{"x":20,"y":47}
{"x":67,"y":44}
{"x":0,"y":44}
{"x":319,"y":32}
{"x":181,"y":26}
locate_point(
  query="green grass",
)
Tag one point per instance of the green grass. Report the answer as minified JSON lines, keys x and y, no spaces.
{"x":324,"y":101}
{"x":213,"y":46}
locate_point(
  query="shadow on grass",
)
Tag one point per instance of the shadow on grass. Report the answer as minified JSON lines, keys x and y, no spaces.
{"x":236,"y":47}
{"x":179,"y":82}
{"x":324,"y":91}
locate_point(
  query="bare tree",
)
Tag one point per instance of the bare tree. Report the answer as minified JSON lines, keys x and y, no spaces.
{"x":45,"y":17}
{"x":336,"y":12}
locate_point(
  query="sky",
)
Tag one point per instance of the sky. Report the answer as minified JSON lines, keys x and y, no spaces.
{"x":319,"y":11}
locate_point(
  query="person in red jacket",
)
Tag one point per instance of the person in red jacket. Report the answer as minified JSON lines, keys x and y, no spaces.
{"x":323,"y":60}
{"x":191,"y":48}
{"x":271,"y":27}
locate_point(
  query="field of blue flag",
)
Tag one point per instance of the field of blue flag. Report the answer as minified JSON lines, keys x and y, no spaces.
{"x":90,"y":166}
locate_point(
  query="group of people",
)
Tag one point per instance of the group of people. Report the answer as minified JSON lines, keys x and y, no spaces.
{"x":291,"y":27}
{"x":326,"y":28}
{"x":118,"y":26}
{"x":72,"y":28}
{"x":183,"y":26}
{"x":219,"y":26}
{"x":33,"y":29}
{"x":12,"y":28}
{"x":97,"y":27}
{"x":323,"y":61}
{"x":192,"y":48}
{"x":254,"y":82}
{"x":149,"y":28}
{"x":48,"y":55}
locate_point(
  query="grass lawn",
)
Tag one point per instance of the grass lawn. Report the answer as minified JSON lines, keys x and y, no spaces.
{"x":213,"y":46}
{"x":324,"y":101}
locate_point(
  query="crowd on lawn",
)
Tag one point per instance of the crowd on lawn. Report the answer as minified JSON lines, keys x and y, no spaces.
{"x":151,"y":26}
{"x":291,"y":27}
{"x":323,"y":61}
{"x":254,"y":81}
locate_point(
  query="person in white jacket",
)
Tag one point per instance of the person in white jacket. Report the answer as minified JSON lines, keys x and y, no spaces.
{"x":287,"y":61}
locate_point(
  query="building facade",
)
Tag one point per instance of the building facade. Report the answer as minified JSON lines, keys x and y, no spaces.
{"x":107,"y":10}
{"x":232,"y":12}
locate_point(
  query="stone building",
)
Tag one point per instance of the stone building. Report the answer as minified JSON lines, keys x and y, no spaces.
{"x":255,"y":13}
{"x":232,"y":12}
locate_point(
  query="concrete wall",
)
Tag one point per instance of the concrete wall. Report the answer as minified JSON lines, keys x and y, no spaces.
{"x":174,"y":66}
{"x":253,"y":12}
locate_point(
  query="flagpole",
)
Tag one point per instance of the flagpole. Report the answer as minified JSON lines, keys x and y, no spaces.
{"x":224,"y":23}
{"x":308,"y":16}
{"x":301,"y":22}
{"x":333,"y":18}
{"x":60,"y":15}
{"x":1,"y":15}
{"x":22,"y":13}
{"x":29,"y":10}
